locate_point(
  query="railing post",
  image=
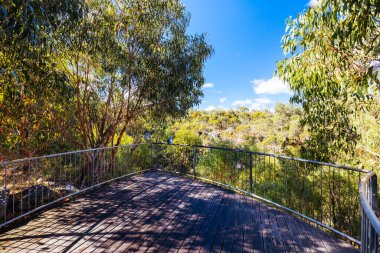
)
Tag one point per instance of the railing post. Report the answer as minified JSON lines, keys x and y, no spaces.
{"x":5,"y":195}
{"x":363,"y":233}
{"x":250,"y":173}
{"x":194,"y":160}
{"x":373,"y":196}
{"x":369,"y":237}
{"x":151,"y":156}
{"x":93,"y":168}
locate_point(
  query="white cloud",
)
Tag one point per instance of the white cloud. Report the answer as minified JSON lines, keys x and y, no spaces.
{"x":222,"y":100}
{"x":313,"y":3}
{"x":263,"y":101}
{"x":210,"y":108}
{"x":240,"y":103}
{"x":208,"y":85}
{"x":260,"y":107}
{"x":255,"y":104}
{"x":270,"y":86}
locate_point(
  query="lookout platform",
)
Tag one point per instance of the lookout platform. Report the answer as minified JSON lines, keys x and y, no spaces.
{"x":161,"y":212}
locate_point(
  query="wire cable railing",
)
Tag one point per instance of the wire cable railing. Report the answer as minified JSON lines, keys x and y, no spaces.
{"x":31,"y":184}
{"x":322,"y":193}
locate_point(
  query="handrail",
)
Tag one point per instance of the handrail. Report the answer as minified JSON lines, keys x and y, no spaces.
{"x":268,"y":154}
{"x":31,"y":184}
{"x":66,"y":153}
{"x":333,"y":187}
{"x":370,"y":226}
{"x":290,"y":183}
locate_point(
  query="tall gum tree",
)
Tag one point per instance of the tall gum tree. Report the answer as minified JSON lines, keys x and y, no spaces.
{"x":130,"y":59}
{"x":332,"y":58}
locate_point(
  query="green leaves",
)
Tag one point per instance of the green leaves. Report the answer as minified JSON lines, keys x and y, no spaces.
{"x":329,"y":65}
{"x":31,"y":85}
{"x":135,"y":59}
{"x":3,"y":12}
{"x":85,"y":71}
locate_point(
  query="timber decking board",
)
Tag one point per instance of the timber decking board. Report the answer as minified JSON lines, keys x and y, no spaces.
{"x":160,"y":212}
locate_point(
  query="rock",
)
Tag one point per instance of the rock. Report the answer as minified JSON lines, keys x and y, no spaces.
{"x":33,"y":196}
{"x":30,"y":198}
{"x":71,"y":188}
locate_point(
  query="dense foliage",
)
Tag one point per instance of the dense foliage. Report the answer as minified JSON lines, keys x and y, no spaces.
{"x":31,"y":85}
{"x":332,"y":61}
{"x":79,"y":74}
{"x":279,"y":131}
{"x":274,"y":132}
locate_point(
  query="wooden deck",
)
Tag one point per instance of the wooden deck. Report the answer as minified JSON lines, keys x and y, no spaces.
{"x":159,"y":212}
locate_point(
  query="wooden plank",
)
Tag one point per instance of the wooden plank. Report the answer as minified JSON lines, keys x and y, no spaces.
{"x":150,"y":213}
{"x":210,"y":232}
{"x":177,"y":229}
{"x":230,"y":226}
{"x":87,"y":212}
{"x":300,"y":238}
{"x":170,"y":223}
{"x":222,"y":227}
{"x":85,"y":242}
{"x":204,"y":201}
{"x":258,"y":242}
{"x":205,"y":215}
{"x":132,"y":214}
{"x":265,"y":229}
{"x":238,"y":242}
{"x":157,"y":212}
{"x":332,"y":243}
{"x":291,"y":244}
{"x":278,"y":241}
{"x":210,"y":220}
{"x":248,"y":226}
{"x":314,"y":244}
{"x":155,"y":230}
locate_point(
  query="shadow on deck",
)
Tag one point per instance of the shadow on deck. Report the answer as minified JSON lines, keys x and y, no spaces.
{"x":159,"y":212}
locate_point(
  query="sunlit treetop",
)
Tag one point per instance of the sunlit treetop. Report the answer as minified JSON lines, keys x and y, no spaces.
{"x":332,"y":54}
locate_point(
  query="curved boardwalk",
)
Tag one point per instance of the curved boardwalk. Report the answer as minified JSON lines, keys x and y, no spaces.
{"x":159,"y":212}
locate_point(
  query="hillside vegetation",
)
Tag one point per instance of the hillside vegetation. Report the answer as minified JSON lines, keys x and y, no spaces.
{"x":280,"y":131}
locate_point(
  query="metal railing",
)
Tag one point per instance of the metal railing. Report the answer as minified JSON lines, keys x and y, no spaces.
{"x":322,"y":193}
{"x":325,"y":194}
{"x":32,"y":184}
{"x":370,"y":228}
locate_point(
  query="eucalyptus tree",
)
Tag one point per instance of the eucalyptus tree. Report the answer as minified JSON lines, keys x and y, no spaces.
{"x":30,"y":83}
{"x":332,"y":58}
{"x":131,"y":59}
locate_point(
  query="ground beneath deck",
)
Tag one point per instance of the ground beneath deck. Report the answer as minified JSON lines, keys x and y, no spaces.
{"x":159,"y":212}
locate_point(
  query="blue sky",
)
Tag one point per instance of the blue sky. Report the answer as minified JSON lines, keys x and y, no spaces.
{"x":246,"y":36}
